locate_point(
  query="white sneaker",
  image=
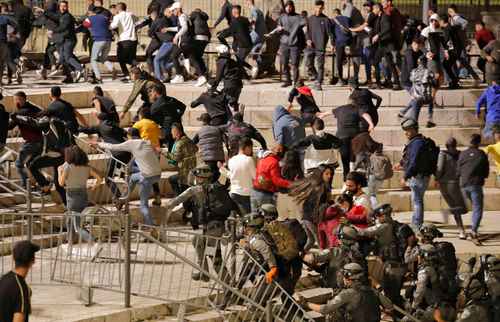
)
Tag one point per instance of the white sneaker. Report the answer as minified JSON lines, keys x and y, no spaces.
{"x":177,"y":79}
{"x":78,"y":75}
{"x":202,"y":80}
{"x":187,"y":65}
{"x":255,"y":72}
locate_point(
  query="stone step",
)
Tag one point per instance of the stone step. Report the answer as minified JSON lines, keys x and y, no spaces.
{"x":44,"y":241}
{"x":401,"y":200}
{"x":261,"y":117}
{"x":252,"y":95}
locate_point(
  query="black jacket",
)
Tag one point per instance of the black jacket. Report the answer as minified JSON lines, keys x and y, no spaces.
{"x":363,"y":99}
{"x":167,"y":110}
{"x":24,"y":18}
{"x":64,"y":111}
{"x":200,"y":23}
{"x":239,"y":29}
{"x":225,"y":13}
{"x":306,"y":102}
{"x":29,"y":133}
{"x":108,"y":130}
{"x":215,"y":105}
{"x":383,"y":30}
{"x":319,"y":30}
{"x":473,"y":167}
{"x":238,"y":130}
{"x":4,"y":125}
{"x":319,"y":142}
{"x":228,"y":71}
{"x":65,"y":29}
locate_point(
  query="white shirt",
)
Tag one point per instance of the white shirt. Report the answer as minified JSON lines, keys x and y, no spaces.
{"x":241,"y":173}
{"x":363,"y":200}
{"x":124,"y":21}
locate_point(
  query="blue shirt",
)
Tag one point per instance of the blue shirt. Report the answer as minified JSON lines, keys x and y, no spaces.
{"x":99,"y":28}
{"x":490,"y":98}
{"x":4,"y":22}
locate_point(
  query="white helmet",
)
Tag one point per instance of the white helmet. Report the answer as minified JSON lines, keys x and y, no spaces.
{"x":222,"y":49}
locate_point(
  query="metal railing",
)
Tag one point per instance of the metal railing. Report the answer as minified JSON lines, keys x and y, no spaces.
{"x":97,"y":249}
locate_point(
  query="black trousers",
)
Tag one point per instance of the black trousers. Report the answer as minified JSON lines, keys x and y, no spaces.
{"x":196,"y":57}
{"x":215,"y":169}
{"x":153,"y":46}
{"x":49,"y":59}
{"x":126,"y":52}
{"x":48,"y":162}
{"x":346,"y":155}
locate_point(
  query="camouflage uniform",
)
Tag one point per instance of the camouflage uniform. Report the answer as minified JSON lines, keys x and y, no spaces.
{"x":212,"y":227}
{"x":493,"y":283}
{"x":394,"y":269}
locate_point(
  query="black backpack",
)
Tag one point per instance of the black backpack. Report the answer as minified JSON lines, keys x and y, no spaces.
{"x":56,"y":135}
{"x":428,"y":157}
{"x":219,"y":203}
{"x":446,"y":268}
{"x":298,"y":231}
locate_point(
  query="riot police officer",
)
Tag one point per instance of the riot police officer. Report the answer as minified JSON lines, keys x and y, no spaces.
{"x":492,"y":278}
{"x":329,"y":262}
{"x":427,"y":290}
{"x":212,"y":206}
{"x":269,"y":212}
{"x":477,"y":304}
{"x":359,"y":302}
{"x":388,"y":248}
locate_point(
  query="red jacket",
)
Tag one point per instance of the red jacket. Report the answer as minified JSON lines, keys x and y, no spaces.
{"x":483,"y":37}
{"x":268,"y":175}
{"x":357,"y":217}
{"x":327,"y":229}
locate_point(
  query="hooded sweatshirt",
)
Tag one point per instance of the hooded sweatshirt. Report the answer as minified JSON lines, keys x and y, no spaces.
{"x":490,"y":98}
{"x":287,"y":128}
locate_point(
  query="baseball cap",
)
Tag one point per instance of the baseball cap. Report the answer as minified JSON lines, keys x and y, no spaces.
{"x":176,"y":5}
{"x":24,"y":252}
{"x":434,"y":16}
{"x":409,"y":124}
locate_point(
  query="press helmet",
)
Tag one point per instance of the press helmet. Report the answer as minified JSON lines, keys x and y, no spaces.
{"x":254,"y":220}
{"x":269,"y":212}
{"x":203,"y":171}
{"x":347,"y":234}
{"x":429,"y":232}
{"x":353,"y":271}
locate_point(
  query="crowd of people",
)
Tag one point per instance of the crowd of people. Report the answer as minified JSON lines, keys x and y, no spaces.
{"x":288,"y":182}
{"x":388,"y":43}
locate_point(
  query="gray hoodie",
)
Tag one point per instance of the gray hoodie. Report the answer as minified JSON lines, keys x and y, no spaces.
{"x":287,"y":128}
{"x":292,"y":32}
{"x":145,"y":156}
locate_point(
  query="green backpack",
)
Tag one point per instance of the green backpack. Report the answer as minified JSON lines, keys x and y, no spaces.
{"x":282,"y":240}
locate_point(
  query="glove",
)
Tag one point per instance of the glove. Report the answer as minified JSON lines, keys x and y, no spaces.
{"x":271,"y":274}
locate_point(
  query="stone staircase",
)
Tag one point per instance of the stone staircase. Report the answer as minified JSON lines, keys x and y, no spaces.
{"x":456,"y":119}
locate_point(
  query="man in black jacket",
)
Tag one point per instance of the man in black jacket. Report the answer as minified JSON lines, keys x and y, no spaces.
{"x":66,"y":42}
{"x":64,"y":111}
{"x":237,"y":129}
{"x":165,"y":110}
{"x":383,"y":38}
{"x":216,"y":106}
{"x":318,"y":33}
{"x":239,"y":30}
{"x":231,"y":73}
{"x":32,"y":136}
{"x":474,"y":168}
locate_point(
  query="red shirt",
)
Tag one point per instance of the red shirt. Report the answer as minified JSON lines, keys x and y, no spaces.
{"x":268,"y":175}
{"x":483,"y":37}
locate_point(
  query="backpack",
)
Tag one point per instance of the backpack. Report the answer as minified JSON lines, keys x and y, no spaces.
{"x":281,"y":238}
{"x":56,"y":135}
{"x":446,"y":268}
{"x":381,"y":166}
{"x":219,"y":204}
{"x":428,"y":157}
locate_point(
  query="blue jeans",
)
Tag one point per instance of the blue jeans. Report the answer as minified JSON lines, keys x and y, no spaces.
{"x":100,"y":52}
{"x":28,"y":151}
{"x":488,"y":129}
{"x":476,"y":196}
{"x":145,"y":189}
{"x":418,"y":186}
{"x":367,"y":58}
{"x":77,"y":201}
{"x":161,"y":59}
{"x":259,"y":198}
